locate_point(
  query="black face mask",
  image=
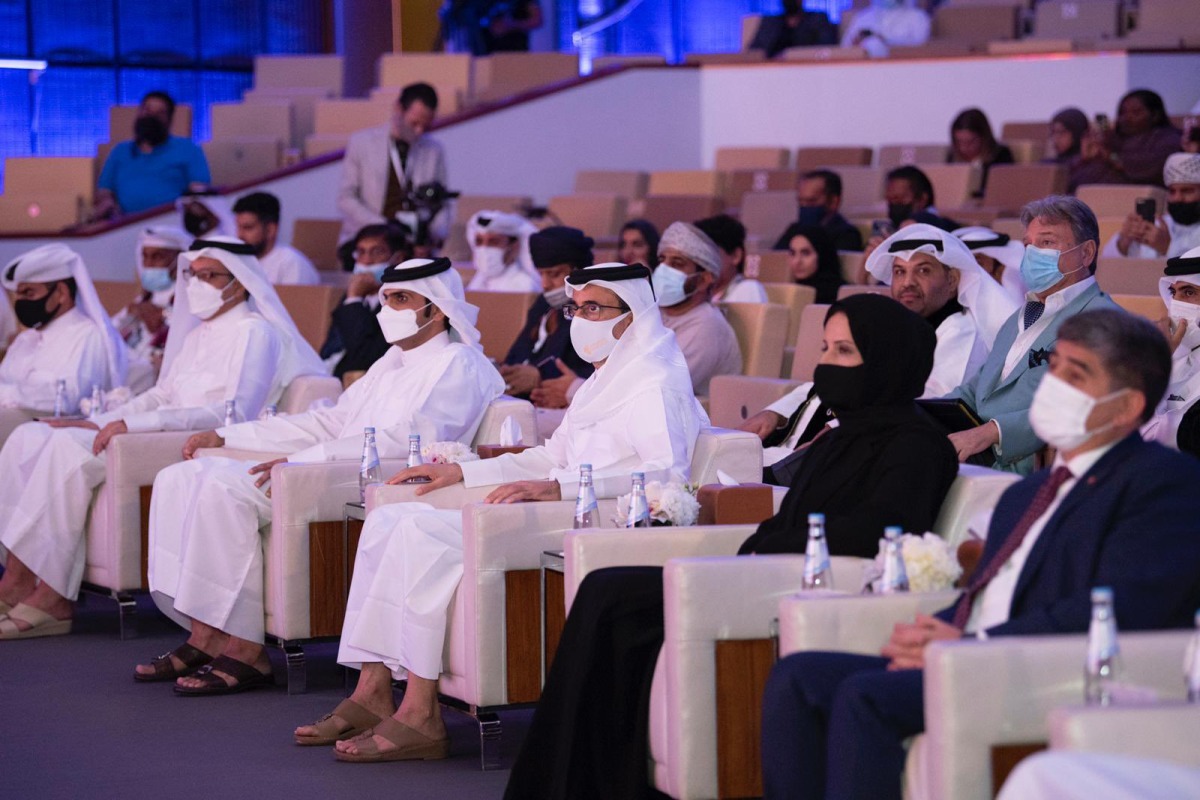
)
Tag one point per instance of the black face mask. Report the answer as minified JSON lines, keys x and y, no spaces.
{"x":898,"y":212}
{"x":811,"y":215}
{"x":1185,"y":213}
{"x":841,"y":388}
{"x":33,"y":313}
{"x":151,"y":130}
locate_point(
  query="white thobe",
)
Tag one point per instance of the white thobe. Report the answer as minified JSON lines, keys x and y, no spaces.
{"x":1182,"y":392}
{"x":70,"y":348}
{"x":1183,"y":238}
{"x":743,"y":290}
{"x":409,"y":560}
{"x":144,"y":347}
{"x":510,"y":279}
{"x":8,"y":324}
{"x":51,"y":475}
{"x":708,"y":343}
{"x":960,"y":352}
{"x":888,"y":27}
{"x":287,"y":265}
{"x":1073,"y":775}
{"x":205,"y":559}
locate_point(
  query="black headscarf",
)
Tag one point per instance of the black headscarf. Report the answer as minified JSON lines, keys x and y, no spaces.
{"x":886,"y":463}
{"x":828,"y":277}
{"x":1076,"y":123}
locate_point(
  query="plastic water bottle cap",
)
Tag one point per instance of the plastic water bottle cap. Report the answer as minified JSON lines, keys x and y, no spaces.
{"x":369,"y":429}
{"x":892,"y":531}
{"x":1102,"y":594}
{"x":816,"y":519}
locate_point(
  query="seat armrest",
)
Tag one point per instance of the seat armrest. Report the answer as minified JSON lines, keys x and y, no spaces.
{"x":1164,"y":732}
{"x":257,"y":456}
{"x":133,"y":459}
{"x":735,"y":398}
{"x":852,"y":624}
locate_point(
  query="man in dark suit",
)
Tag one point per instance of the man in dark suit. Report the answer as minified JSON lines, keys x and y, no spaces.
{"x":1114,"y":511}
{"x":819,"y":198}
{"x":542,"y":362}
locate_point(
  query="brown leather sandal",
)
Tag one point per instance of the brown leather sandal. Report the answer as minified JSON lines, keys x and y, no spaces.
{"x":329,"y":731}
{"x":247,"y":678}
{"x":192,"y":658}
{"x":410,"y":745}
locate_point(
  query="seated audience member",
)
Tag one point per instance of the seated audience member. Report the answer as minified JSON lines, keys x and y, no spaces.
{"x":909,"y":195}
{"x":885,"y":463}
{"x":732,"y":286}
{"x":151,"y":169}
{"x":1114,"y":511}
{"x":1061,"y":242}
{"x":355,"y":340}
{"x":509,"y":25}
{"x":1080,"y":775}
{"x":972,"y":142}
{"x":636,"y":413}
{"x":233,"y":340}
{"x":205,"y":550}
{"x":999,"y":257}
{"x":885,"y":24}
{"x":500,"y":253}
{"x":638,"y":243}
{"x":795,"y":27}
{"x":813,"y":259}
{"x":68,"y":335}
{"x":144,"y":323}
{"x":1067,"y":130}
{"x":1174,"y":232}
{"x":542,"y":361}
{"x":689,"y":266}
{"x":8,"y":326}
{"x":819,"y":197}
{"x":934,"y":274}
{"x":1176,"y":422}
{"x":1132,"y":152}
{"x":384,"y":164}
{"x":206,"y":213}
{"x":257,"y":218}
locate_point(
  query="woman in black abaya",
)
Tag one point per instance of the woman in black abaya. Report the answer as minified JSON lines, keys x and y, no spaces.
{"x":885,"y":463}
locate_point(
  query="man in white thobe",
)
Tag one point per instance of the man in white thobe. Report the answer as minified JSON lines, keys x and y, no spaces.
{"x":1175,"y":422}
{"x":1171,"y":233}
{"x":933,"y":273}
{"x":1084,"y":775}
{"x":257,"y":217}
{"x":68,"y":338}
{"x":234,"y":341}
{"x":998,"y":255}
{"x":146,"y":321}
{"x":689,"y":267}
{"x":635,"y":413}
{"x":206,"y":558}
{"x":500,"y":253}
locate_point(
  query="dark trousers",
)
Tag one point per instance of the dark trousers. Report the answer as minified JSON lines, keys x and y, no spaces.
{"x":834,"y":725}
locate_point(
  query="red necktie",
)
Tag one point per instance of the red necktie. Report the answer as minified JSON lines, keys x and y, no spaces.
{"x":1037,"y":507}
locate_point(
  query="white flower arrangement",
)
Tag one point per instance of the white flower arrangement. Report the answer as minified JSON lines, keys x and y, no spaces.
{"x":928,"y":560}
{"x":447,"y":453}
{"x":117,"y":397}
{"x":670,"y":504}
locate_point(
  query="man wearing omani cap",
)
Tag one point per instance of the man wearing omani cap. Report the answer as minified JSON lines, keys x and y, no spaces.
{"x":205,"y":552}
{"x":500,"y":251}
{"x":144,"y":323}
{"x":998,"y":255}
{"x":636,"y":413}
{"x":689,"y":266}
{"x":1176,"y":422}
{"x":1172,"y":233}
{"x":932,"y":273}
{"x":233,"y":340}
{"x":69,"y":336}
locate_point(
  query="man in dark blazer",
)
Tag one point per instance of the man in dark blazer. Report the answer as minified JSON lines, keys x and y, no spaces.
{"x":542,"y":352}
{"x":1114,"y":511}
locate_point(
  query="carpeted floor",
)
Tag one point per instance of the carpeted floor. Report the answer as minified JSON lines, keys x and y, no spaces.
{"x":76,"y":725}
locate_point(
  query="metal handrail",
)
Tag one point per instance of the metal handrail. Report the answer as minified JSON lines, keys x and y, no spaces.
{"x":604,"y":21}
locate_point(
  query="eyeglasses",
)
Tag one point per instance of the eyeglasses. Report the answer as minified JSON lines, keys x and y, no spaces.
{"x":206,"y":275}
{"x":379,"y":253}
{"x":589,"y":311}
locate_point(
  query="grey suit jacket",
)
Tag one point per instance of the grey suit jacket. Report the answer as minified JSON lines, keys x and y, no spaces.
{"x":365,"y":169}
{"x":1007,"y":400}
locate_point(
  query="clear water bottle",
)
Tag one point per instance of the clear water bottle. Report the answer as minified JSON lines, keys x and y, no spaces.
{"x":271,"y":411}
{"x":817,"y":572}
{"x":97,"y":403}
{"x":587,"y":513}
{"x":230,"y":413}
{"x":60,"y":398}
{"x":1192,"y":667}
{"x":639,"y":508}
{"x":414,"y":457}
{"x":368,"y":471}
{"x":1103,"y":666}
{"x":895,"y":576}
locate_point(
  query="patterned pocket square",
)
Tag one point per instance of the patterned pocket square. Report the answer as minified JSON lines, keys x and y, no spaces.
{"x":1038,"y":357}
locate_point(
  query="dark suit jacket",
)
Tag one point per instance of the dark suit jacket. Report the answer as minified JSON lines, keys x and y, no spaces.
{"x":844,"y":234}
{"x":774,"y":35}
{"x":557,"y":345}
{"x":1129,"y":523}
{"x":356,"y":331}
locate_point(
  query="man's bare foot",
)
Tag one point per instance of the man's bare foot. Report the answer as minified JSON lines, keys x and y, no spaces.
{"x":426,"y":725}
{"x":45,"y":599}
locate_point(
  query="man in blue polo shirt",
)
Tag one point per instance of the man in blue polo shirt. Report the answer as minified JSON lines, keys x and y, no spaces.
{"x":151,"y":169}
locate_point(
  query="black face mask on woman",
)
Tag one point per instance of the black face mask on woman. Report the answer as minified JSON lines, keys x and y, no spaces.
{"x":34,"y":313}
{"x":841,"y":388}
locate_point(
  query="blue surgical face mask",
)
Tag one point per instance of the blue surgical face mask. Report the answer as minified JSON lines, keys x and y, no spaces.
{"x":156,"y":279}
{"x":375,"y":270}
{"x":1039,"y":267}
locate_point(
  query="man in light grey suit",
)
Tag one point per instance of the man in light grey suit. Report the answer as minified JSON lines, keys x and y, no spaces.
{"x":1062,"y":240}
{"x":382,"y":164}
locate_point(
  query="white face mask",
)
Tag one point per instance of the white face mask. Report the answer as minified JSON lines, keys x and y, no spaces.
{"x":1177,"y":310}
{"x":204,"y":299}
{"x":371,"y":269}
{"x":399,"y":325}
{"x":489,"y":260}
{"x":557,"y":298}
{"x":593,"y":340}
{"x":669,"y":286}
{"x":1060,"y":412}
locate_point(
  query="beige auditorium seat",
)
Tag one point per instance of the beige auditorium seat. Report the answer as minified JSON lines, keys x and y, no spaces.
{"x":899,"y":155}
{"x":761,"y":330}
{"x":448,"y":73}
{"x":595,"y":214}
{"x":857,"y":288}
{"x":1164,"y":23}
{"x":740,"y":182}
{"x":628,"y":60}
{"x":39,"y":212}
{"x":1034,"y":129}
{"x":1108,"y":200}
{"x":1027,"y":151}
{"x":502,"y":75}
{"x":252,"y":120}
{"x":852,"y":263}
{"x":750,"y":23}
{"x":952,"y":183}
{"x":468,"y":205}
{"x":769,"y":266}
{"x":49,"y":175}
{"x":321,"y":72}
{"x":304,"y":108}
{"x":115,"y":295}
{"x":1090,"y":22}
{"x":1149,"y":306}
{"x":120,"y":121}
{"x":976,"y":24}
{"x":322,"y":144}
{"x":1165,"y":731}
{"x":1130,"y":275}
{"x":731,"y":158}
{"x":662,"y":210}
{"x":310,"y":307}
{"x":795,"y":297}
{"x":1011,"y":186}
{"x":768,"y":214}
{"x":862,"y":190}
{"x":501,"y":317}
{"x":344,"y":116}
{"x":118,"y":522}
{"x":317,"y":239}
{"x":686,"y":182}
{"x":243,"y":159}
{"x":816,"y":157}
{"x":627,"y":183}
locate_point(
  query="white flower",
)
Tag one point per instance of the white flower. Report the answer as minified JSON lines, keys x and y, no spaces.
{"x":447,"y":453}
{"x":928,"y":561}
{"x":671,"y":503}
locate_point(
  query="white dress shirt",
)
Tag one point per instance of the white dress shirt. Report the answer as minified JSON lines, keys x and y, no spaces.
{"x":70,"y":348}
{"x":287,"y":265}
{"x":1027,"y":336}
